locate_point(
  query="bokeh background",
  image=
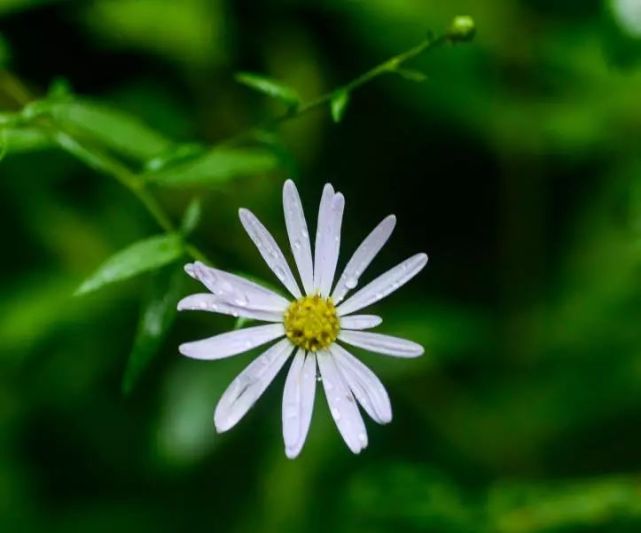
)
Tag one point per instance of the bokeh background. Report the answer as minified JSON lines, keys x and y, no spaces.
{"x":516,"y":165}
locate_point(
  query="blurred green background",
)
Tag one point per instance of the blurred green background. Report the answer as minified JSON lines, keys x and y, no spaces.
{"x":516,"y":165}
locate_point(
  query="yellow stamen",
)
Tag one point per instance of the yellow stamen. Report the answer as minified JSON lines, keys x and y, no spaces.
{"x":311,"y":322}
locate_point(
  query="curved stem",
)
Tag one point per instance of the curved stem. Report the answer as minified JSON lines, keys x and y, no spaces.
{"x":104,"y":163}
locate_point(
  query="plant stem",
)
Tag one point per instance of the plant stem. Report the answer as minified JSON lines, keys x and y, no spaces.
{"x":386,"y":67}
{"x":108,"y":165}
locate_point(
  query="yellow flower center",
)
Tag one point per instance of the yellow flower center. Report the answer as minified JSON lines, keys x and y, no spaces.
{"x":311,"y":322}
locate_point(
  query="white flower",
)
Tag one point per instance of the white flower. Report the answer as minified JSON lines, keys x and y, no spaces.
{"x":310,"y":324}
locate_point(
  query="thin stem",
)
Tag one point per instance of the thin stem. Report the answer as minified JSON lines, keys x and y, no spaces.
{"x":108,"y":165}
{"x":386,"y":67}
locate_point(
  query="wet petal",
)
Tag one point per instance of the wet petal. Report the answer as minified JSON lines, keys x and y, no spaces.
{"x":269,"y":249}
{"x":362,"y":257}
{"x":364,"y":384}
{"x":383,"y":285}
{"x":342,"y":404}
{"x":235,"y":290}
{"x":360,"y":321}
{"x":248,"y":386}
{"x":328,"y":235}
{"x":211,"y":302}
{"x":232,"y":342}
{"x":379,"y":343}
{"x":298,"y":402}
{"x":298,"y":235}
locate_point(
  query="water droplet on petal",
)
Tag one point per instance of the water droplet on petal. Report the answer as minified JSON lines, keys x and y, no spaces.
{"x":351,"y":282}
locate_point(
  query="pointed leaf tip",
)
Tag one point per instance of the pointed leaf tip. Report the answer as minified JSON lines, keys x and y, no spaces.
{"x":338,"y":105}
{"x":141,"y":256}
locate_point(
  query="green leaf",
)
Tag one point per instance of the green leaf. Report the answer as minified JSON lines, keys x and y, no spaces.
{"x":218,"y":166}
{"x":174,"y":156}
{"x":17,"y":140}
{"x":142,"y":256}
{"x":269,"y":87}
{"x":191,"y":218}
{"x":117,"y":130}
{"x":339,"y":105}
{"x":411,"y":74}
{"x":158,"y":313}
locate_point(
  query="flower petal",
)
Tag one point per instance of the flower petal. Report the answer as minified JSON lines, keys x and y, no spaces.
{"x":328,"y":238}
{"x":232,"y":342}
{"x":269,"y":249}
{"x":383,"y":285}
{"x":247,"y":387}
{"x":235,"y":290}
{"x":367,"y":388}
{"x":379,"y":343}
{"x":298,"y":235}
{"x":360,"y":321}
{"x":362,"y":257}
{"x":298,"y":402}
{"x":342,"y":404}
{"x":213,"y":303}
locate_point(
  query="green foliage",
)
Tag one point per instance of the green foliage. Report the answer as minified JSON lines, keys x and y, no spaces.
{"x":17,"y":140}
{"x":157,"y":316}
{"x":270,"y":87}
{"x":112,"y":128}
{"x":192,"y":216}
{"x":142,"y":256}
{"x":217,"y":167}
{"x":338,"y":105}
{"x":411,"y":74}
{"x":517,"y":168}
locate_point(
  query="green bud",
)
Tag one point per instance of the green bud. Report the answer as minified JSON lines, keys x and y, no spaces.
{"x":462,"y":29}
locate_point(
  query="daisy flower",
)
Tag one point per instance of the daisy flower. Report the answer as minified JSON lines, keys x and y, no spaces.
{"x":312,"y":325}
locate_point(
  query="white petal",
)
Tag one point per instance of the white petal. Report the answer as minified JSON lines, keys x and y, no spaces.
{"x":232,"y":342}
{"x":235,"y":290}
{"x":298,"y":235}
{"x":362,"y":257}
{"x":378,"y":343}
{"x":367,"y":388}
{"x":213,"y":303}
{"x":247,"y":387}
{"x":383,"y":285}
{"x":298,"y":402}
{"x":342,"y":404}
{"x":269,"y":249}
{"x":328,"y":238}
{"x":360,"y":321}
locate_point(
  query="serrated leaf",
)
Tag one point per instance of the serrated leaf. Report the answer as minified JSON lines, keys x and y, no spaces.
{"x":117,"y":130}
{"x":157,"y":316}
{"x":191,"y":218}
{"x":218,"y":166}
{"x":269,"y":86}
{"x":142,"y":256}
{"x":338,"y":105}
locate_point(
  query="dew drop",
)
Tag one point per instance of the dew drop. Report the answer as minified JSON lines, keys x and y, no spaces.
{"x":296,"y":245}
{"x":362,"y":437}
{"x":336,"y":414}
{"x":351,"y":282}
{"x":241,"y":300}
{"x":280,"y":273}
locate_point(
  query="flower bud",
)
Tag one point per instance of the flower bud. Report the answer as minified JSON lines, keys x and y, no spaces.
{"x":461,"y":29}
